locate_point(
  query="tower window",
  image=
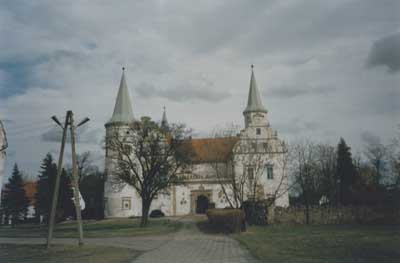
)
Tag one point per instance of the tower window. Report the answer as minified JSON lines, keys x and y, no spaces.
{"x":250,"y":173}
{"x":258,"y":131}
{"x":126,"y":203}
{"x":270,"y":171}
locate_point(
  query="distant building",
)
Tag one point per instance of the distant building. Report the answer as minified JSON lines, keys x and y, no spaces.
{"x":3,"y":146}
{"x":256,"y":154}
{"x":30,"y":191}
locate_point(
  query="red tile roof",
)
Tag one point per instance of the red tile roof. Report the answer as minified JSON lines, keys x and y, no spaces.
{"x":30,"y":190}
{"x":211,"y":149}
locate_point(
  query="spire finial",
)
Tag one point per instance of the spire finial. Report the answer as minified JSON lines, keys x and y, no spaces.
{"x":254,"y":103}
{"x":164,"y":107}
{"x":123,"y":107}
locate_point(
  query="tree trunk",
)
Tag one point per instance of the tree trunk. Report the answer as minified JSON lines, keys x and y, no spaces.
{"x":307,"y":213}
{"x":145,"y":212}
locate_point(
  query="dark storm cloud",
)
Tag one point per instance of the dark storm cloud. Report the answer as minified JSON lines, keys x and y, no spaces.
{"x":297,"y":126}
{"x":82,"y":135}
{"x":146,"y":90}
{"x":386,"y":52}
{"x":370,"y":138}
{"x":18,"y":73}
{"x":203,"y":90}
{"x":52,"y":135}
{"x":20,"y":70}
{"x":280,"y":26}
{"x":292,"y":92}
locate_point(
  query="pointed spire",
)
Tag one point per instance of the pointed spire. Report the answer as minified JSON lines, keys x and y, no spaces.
{"x":164,"y":121}
{"x":254,"y":103}
{"x":123,"y":107}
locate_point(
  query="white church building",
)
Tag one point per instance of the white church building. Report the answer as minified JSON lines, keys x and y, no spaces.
{"x":255,"y":158}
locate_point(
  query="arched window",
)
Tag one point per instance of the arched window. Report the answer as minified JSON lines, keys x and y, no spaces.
{"x":270,"y":171}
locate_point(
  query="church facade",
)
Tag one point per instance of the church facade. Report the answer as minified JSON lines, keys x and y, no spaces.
{"x":223,"y":170}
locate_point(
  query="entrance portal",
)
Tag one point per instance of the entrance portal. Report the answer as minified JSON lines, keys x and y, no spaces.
{"x":201,"y":204}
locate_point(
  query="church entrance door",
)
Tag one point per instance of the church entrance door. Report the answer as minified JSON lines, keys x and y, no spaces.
{"x":202,"y":203}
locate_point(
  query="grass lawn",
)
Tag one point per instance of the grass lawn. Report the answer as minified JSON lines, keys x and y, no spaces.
{"x":328,"y":244}
{"x":124,"y":227}
{"x":63,"y":253}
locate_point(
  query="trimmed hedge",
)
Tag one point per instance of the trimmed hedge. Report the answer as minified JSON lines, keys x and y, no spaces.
{"x":227,"y":220}
{"x":256,"y":212}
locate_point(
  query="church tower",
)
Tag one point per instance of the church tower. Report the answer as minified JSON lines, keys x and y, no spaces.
{"x":164,"y":121}
{"x":255,"y":114}
{"x":119,"y":124}
{"x":260,"y":154}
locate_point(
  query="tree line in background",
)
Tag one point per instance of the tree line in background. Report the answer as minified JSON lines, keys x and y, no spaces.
{"x":326,"y":175}
{"x":319,"y":174}
{"x":15,"y":203}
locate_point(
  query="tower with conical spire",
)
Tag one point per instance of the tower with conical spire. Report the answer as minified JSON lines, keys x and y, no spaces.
{"x":123,"y":113}
{"x":164,"y":121}
{"x":118,"y":125}
{"x":255,"y":114}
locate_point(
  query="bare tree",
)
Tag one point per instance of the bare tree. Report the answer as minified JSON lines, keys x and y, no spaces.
{"x":232,"y":185}
{"x":148,"y":158}
{"x":253,"y":155}
{"x":84,"y":164}
{"x":377,"y":153}
{"x":326,"y":159}
{"x":305,"y":173}
{"x":394,"y":158}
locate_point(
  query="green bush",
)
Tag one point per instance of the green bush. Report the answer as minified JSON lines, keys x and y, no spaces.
{"x":256,"y":212}
{"x":227,"y":220}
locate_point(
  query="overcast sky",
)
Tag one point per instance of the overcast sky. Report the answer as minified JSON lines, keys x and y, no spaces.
{"x":325,"y":69}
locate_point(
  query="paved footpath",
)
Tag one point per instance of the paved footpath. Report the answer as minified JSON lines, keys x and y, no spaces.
{"x":188,"y":245}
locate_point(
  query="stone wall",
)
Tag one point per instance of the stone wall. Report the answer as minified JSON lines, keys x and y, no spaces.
{"x":337,"y":215}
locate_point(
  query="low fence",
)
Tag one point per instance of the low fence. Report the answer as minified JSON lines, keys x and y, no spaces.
{"x":322,"y":215}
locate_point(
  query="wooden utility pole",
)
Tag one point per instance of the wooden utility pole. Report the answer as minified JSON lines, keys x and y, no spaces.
{"x":75,"y":179}
{"x":57,"y":184}
{"x":69,"y":120}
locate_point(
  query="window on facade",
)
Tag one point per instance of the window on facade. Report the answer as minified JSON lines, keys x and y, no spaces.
{"x":258,"y":131}
{"x":270,"y":171}
{"x":265,"y":146}
{"x":126,"y":203}
{"x":250,"y":173}
{"x":254,"y":147}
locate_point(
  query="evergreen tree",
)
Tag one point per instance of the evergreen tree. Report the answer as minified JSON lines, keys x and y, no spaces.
{"x":45,"y":187}
{"x":345,"y":173}
{"x":45,"y":191}
{"x":65,"y":206}
{"x":92,"y":189}
{"x":15,"y":203}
